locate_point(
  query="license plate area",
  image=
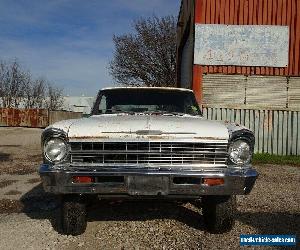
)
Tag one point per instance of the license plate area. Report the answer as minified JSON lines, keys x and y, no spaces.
{"x":148,"y":185}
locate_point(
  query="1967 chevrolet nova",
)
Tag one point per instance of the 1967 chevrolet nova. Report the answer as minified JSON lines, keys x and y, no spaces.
{"x":147,"y":143}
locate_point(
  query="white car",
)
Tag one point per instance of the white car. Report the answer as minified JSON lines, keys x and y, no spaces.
{"x":147,"y":143}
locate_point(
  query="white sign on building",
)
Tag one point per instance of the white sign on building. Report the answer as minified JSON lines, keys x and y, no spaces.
{"x":243,"y":45}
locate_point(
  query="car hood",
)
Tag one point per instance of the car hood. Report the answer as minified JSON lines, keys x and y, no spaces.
{"x":123,"y":126}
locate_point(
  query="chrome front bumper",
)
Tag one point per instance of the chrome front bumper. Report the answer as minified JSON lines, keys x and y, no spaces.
{"x":125,"y":182}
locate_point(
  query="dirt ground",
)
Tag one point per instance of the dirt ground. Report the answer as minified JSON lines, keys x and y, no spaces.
{"x":29,"y":218}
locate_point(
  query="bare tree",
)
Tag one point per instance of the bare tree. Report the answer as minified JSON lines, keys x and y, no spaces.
{"x":18,"y":86}
{"x":147,"y":57}
{"x":2,"y":84}
{"x":35,"y":93}
{"x":55,"y":98}
{"x":40,"y":93}
{"x":11,"y":84}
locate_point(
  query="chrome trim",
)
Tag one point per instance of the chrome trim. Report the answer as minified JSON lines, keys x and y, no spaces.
{"x":59,"y":181}
{"x":170,"y":153}
{"x":46,"y":153}
{"x":47,"y":135}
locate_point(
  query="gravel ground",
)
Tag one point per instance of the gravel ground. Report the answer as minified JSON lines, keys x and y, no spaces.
{"x":20,"y":150}
{"x":29,"y":217}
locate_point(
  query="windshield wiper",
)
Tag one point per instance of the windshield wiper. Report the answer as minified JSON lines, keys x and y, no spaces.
{"x":115,"y":111}
{"x":164,"y":112}
{"x":178,"y":113}
{"x":160,"y":112}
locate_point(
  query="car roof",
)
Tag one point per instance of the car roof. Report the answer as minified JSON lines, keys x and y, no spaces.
{"x":158,"y":88}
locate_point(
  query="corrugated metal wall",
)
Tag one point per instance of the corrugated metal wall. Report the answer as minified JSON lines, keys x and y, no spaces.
{"x":276,"y":131}
{"x":251,"y":91}
{"x":276,"y":127}
{"x":254,"y":12}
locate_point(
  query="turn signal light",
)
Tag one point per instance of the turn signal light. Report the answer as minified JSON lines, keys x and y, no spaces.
{"x":83,"y":179}
{"x":213,"y":181}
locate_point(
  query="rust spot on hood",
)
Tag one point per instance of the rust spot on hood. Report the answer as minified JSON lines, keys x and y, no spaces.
{"x":154,"y":137}
{"x":89,"y":137}
{"x":210,"y":138}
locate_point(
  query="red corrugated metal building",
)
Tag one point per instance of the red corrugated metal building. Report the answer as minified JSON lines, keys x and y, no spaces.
{"x":223,"y":84}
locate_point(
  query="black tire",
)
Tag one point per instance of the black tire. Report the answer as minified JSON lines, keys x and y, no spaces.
{"x":219,"y":213}
{"x":73,"y":215}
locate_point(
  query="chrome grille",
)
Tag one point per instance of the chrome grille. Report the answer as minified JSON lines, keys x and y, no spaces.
{"x":169,"y":153}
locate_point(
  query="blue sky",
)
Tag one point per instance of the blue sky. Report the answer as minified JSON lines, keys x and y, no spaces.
{"x":70,"y":41}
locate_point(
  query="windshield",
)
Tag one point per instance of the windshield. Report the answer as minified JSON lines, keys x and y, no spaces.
{"x":150,"y":101}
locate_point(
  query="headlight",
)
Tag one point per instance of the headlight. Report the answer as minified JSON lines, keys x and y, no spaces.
{"x":55,"y":149}
{"x":240,"y":152}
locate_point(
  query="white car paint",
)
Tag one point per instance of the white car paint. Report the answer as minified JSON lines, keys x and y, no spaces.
{"x":114,"y":127}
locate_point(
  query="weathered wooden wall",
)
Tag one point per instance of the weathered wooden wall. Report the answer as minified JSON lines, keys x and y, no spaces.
{"x":242,"y":91}
{"x":276,"y":131}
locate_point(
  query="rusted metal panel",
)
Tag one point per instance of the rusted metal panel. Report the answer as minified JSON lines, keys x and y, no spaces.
{"x":254,"y":12}
{"x":276,"y":131}
{"x":35,"y":118}
{"x":197,"y":82}
{"x":241,"y":45}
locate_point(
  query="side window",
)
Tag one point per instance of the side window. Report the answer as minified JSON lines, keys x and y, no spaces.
{"x":102,"y":105}
{"x":191,"y":107}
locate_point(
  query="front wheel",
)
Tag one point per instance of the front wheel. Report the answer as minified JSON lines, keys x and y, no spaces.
{"x":219,"y":213}
{"x":73,"y":215}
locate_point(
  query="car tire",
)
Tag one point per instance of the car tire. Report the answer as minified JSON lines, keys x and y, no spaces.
{"x":73,"y":215}
{"x":219,"y":213}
